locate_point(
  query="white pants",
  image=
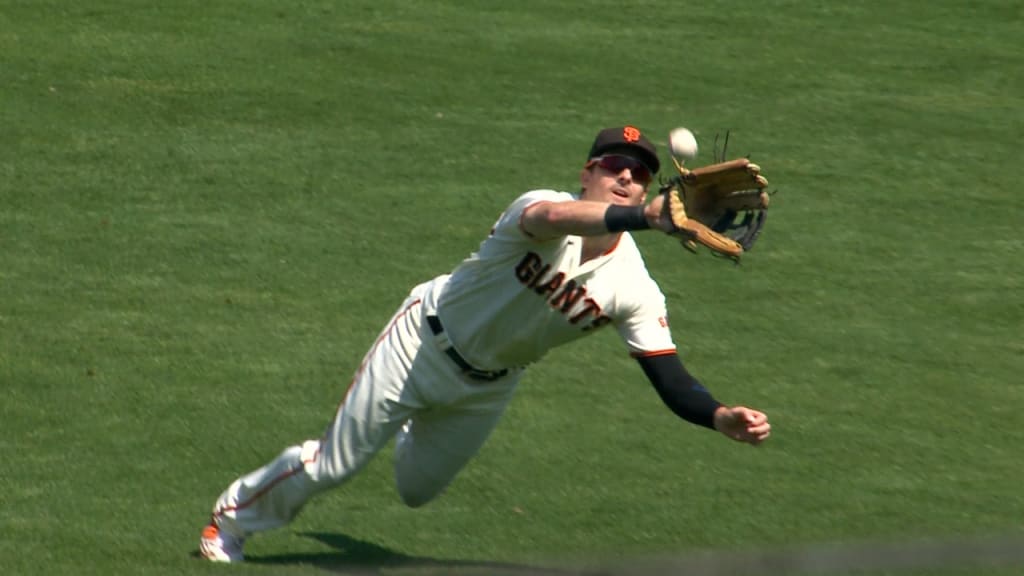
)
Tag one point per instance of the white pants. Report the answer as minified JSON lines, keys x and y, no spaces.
{"x":406,"y":386}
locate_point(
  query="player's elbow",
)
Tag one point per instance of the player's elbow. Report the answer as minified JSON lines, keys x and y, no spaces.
{"x":548,"y":220}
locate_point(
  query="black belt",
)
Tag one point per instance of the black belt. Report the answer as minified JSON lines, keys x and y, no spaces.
{"x":467,"y":368}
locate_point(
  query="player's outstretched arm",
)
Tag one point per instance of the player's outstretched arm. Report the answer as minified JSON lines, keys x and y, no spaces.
{"x":685,"y":396}
{"x":742,"y":424}
{"x":545,"y":220}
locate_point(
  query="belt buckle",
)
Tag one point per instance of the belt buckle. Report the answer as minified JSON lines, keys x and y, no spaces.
{"x":484,"y":375}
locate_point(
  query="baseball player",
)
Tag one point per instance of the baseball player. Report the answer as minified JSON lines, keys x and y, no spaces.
{"x":555,"y":267}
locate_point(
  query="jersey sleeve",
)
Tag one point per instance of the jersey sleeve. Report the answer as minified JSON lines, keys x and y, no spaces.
{"x":509,"y":224}
{"x":644,"y":325}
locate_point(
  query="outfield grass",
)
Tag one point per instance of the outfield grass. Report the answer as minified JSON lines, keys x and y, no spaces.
{"x":208,"y":210}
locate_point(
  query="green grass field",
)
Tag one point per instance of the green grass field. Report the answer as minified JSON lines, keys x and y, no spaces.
{"x":209,"y":209}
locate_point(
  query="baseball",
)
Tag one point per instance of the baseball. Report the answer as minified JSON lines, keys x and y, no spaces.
{"x":683,"y":144}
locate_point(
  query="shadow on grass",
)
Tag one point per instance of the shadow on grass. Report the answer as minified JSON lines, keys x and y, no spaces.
{"x":353,"y":556}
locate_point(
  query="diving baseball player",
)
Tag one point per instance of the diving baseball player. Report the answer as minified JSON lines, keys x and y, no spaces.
{"x":555,"y":268}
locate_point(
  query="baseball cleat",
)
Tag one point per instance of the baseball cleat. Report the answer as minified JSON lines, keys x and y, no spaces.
{"x":218,"y":546}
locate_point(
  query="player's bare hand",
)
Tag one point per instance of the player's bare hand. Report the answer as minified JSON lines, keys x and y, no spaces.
{"x":742,"y":424}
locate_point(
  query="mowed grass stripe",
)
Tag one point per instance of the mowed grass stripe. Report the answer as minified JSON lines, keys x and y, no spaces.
{"x":207,"y":212}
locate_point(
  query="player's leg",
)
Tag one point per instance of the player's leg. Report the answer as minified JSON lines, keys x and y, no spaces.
{"x":435,"y":445}
{"x":375,"y":407}
{"x":274,"y":494}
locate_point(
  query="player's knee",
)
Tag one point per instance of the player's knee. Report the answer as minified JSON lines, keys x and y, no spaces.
{"x":414,"y":497}
{"x":416,"y":488}
{"x":326,"y":472}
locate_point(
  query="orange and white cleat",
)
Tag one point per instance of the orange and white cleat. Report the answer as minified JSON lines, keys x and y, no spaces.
{"x":217,"y":545}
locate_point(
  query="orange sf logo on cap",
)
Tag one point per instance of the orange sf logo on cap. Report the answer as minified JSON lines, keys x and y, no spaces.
{"x":630,"y":134}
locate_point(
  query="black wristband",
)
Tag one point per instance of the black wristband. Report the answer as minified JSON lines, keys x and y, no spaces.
{"x":618,"y":218}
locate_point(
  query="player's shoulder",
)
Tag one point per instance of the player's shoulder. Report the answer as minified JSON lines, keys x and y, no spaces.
{"x":524,"y":201}
{"x":545,"y":195}
{"x":511,"y":217}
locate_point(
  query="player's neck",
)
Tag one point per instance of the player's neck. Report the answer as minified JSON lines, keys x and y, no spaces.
{"x":596,"y":246}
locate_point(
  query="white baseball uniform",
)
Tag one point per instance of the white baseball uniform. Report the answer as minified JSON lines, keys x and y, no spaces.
{"x":444,"y":368}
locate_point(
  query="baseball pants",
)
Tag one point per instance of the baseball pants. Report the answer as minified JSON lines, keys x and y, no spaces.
{"x":405,"y":387}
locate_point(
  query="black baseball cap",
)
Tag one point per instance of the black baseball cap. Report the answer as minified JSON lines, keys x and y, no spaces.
{"x":628,"y":141}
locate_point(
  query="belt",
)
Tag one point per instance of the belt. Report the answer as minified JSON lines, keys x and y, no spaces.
{"x":466,"y":367}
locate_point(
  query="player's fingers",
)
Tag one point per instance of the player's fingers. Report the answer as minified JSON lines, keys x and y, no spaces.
{"x":751,"y":417}
{"x":759,"y":429}
{"x":756,"y":437}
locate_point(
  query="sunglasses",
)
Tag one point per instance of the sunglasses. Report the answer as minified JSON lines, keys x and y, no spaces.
{"x":616,"y":163}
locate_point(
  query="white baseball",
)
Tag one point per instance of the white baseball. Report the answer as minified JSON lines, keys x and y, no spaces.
{"x":683,"y":144}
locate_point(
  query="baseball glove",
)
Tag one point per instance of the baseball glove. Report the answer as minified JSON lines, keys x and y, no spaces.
{"x":721,"y":206}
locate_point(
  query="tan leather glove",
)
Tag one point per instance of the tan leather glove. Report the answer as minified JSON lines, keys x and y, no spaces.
{"x":721,"y":206}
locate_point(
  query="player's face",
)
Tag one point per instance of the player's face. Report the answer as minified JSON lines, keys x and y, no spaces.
{"x":616,"y":179}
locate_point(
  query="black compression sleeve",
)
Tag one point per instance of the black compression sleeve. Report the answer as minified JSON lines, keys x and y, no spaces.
{"x":618,"y":218}
{"x":679,"y":390}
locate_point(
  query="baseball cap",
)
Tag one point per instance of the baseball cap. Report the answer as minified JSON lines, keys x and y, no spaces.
{"x":628,"y":141}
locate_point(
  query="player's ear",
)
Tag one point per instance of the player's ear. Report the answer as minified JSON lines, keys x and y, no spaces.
{"x":586,"y":174}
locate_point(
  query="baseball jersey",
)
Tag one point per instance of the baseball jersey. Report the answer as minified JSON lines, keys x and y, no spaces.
{"x":517,"y":297}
